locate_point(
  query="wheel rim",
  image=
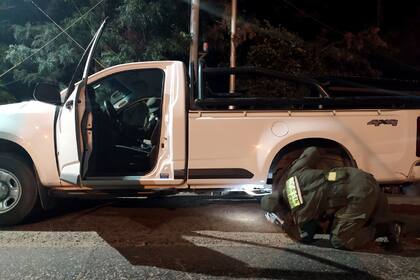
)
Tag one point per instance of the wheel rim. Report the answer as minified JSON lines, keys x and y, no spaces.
{"x":10,"y":191}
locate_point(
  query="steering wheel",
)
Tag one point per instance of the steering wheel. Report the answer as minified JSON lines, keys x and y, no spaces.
{"x":112,"y":114}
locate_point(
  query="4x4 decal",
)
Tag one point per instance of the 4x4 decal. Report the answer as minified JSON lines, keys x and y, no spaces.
{"x":385,"y":122}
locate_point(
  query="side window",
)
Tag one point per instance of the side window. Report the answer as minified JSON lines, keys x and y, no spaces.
{"x":125,"y":88}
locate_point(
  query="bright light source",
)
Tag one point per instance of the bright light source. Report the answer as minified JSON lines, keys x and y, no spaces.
{"x":256,"y":189}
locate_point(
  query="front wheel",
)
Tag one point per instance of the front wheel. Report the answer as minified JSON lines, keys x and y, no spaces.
{"x":18,"y":189}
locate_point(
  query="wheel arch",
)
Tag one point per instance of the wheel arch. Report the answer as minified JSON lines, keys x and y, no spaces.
{"x":7,"y":146}
{"x":307,"y":142}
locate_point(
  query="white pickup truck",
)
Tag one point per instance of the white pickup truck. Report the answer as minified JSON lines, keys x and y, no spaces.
{"x":142,"y":127}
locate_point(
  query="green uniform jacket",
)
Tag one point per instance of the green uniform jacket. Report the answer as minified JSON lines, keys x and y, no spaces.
{"x":353,"y":193}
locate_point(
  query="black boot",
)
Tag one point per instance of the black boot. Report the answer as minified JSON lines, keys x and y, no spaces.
{"x":394,"y":236}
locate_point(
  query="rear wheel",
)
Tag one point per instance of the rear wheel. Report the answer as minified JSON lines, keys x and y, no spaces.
{"x":18,"y":189}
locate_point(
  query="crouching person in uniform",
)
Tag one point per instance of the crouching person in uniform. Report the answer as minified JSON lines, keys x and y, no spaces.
{"x":351,"y":197}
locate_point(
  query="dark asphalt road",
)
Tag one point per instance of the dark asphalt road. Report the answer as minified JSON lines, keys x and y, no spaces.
{"x":185,"y":238}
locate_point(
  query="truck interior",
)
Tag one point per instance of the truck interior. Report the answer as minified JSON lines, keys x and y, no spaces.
{"x":126,"y":120}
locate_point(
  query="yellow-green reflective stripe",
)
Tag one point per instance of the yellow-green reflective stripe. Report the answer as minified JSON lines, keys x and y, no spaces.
{"x":293,"y":193}
{"x":332,"y":176}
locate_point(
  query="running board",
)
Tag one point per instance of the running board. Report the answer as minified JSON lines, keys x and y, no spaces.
{"x":107,"y":192}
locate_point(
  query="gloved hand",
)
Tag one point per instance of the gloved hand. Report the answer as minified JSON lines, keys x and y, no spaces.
{"x":273,"y":218}
{"x":286,"y":223}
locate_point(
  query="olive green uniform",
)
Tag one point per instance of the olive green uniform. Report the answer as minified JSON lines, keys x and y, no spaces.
{"x":352,"y":194}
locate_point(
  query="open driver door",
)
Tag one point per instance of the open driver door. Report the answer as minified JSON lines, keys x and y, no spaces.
{"x":71,"y":152}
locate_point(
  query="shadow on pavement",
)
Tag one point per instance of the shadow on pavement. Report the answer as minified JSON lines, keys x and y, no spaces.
{"x":151,"y":232}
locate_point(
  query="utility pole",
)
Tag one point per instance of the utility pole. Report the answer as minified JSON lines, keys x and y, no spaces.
{"x":234,"y":9}
{"x":194,"y":29}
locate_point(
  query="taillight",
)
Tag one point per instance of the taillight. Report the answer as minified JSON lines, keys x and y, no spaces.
{"x":418,"y":138}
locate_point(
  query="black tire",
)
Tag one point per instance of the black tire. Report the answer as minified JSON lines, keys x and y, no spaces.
{"x":22,"y":171}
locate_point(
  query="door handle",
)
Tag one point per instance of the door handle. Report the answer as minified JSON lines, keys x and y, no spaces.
{"x":69,"y":104}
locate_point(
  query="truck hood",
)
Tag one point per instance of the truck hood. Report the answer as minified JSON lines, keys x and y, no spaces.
{"x":30,"y":125}
{"x":26,"y":120}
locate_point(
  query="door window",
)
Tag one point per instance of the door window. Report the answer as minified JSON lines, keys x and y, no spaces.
{"x":125,"y":88}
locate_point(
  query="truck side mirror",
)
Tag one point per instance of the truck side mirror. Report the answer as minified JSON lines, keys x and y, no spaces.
{"x":48,"y":93}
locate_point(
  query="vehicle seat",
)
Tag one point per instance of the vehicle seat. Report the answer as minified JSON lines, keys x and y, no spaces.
{"x":154,"y":109}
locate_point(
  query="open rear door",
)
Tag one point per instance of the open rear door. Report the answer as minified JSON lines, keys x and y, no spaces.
{"x":70,"y":147}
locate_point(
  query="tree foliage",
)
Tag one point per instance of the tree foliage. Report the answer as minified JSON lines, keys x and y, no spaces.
{"x":137,"y":30}
{"x":264,"y":45}
{"x":5,"y":96}
{"x":140,"y":30}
